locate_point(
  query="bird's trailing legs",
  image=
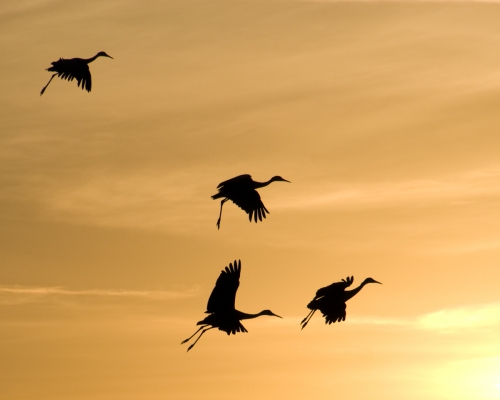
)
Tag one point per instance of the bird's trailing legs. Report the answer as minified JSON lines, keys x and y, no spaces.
{"x":198,"y":338}
{"x":220,"y":214}
{"x":306,"y":320}
{"x":45,"y":87}
{"x":189,"y":338}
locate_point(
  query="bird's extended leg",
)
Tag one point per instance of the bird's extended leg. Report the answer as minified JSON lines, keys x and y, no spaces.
{"x":310,"y":312}
{"x":201,"y":334}
{"x":306,"y":320}
{"x":220,"y":214}
{"x":45,"y":87}
{"x":187,"y":340}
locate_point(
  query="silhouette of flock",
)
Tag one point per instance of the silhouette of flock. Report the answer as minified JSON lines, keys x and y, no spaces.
{"x":241,"y":190}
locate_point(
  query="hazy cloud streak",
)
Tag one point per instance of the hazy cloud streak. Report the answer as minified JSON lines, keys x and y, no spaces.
{"x":443,"y":321}
{"x":462,"y":187}
{"x":24,"y":294}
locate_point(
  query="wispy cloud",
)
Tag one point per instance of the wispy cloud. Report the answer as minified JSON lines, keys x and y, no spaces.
{"x":29,"y":294}
{"x":139,"y":200}
{"x":456,"y":188}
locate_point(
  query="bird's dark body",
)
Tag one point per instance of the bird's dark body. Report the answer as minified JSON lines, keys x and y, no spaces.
{"x":241,"y":190}
{"x":331,"y":300}
{"x":74,"y":68}
{"x":332,"y":308}
{"x":223,"y":314}
{"x":229,"y":324}
{"x":335,"y":288}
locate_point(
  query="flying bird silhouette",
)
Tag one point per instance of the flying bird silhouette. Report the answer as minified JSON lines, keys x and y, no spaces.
{"x":74,"y":68}
{"x":241,"y":191}
{"x":331,"y":300}
{"x":223,"y":314}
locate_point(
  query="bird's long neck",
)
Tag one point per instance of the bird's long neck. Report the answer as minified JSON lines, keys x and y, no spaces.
{"x":257,"y":185}
{"x":89,"y":60}
{"x":242,"y":315}
{"x":348,"y":294}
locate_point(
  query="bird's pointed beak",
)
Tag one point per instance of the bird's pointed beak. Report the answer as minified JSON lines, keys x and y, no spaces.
{"x":380,"y":283}
{"x":277,"y":315}
{"x":284,"y":180}
{"x":111,"y":57}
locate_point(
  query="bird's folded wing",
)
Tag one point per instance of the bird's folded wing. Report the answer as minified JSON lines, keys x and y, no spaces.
{"x":236,"y":181}
{"x":334,"y":289}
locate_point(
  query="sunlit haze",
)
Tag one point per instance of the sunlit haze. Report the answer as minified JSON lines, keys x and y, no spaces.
{"x":383,"y":115}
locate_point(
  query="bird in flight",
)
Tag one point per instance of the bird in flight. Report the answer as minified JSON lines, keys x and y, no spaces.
{"x":331,"y":300}
{"x":223,"y":314}
{"x":74,"y":68}
{"x":241,"y":191}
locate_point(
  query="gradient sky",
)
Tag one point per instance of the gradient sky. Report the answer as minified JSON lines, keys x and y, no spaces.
{"x":383,"y":115}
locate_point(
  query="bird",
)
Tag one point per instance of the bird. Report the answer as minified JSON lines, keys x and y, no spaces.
{"x":223,"y":314}
{"x":330,"y":300}
{"x":74,"y":68}
{"x":241,"y":191}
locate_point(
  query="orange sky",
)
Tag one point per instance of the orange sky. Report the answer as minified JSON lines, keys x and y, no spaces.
{"x":384,"y":116}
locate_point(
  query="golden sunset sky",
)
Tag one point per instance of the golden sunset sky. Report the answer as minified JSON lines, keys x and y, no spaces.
{"x":385,"y":116}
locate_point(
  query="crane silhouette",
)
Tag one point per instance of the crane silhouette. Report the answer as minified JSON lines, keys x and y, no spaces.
{"x":331,"y":300}
{"x":223,"y":314}
{"x":74,"y":68}
{"x":241,"y":191}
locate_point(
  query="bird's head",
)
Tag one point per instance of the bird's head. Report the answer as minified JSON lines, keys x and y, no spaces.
{"x":371,"y":280}
{"x":269,"y":312}
{"x":103,"y":54}
{"x":278,"y":178}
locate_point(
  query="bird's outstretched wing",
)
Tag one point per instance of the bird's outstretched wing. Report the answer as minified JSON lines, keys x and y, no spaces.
{"x":236,"y":182}
{"x":224,"y":293}
{"x":335,"y":288}
{"x":333,"y":311}
{"x":250,"y":202}
{"x":73,"y":69}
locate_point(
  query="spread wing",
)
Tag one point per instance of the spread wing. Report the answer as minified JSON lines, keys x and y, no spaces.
{"x":335,"y":289}
{"x":73,"y":69}
{"x":223,"y":295}
{"x":250,"y":202}
{"x":333,"y":311}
